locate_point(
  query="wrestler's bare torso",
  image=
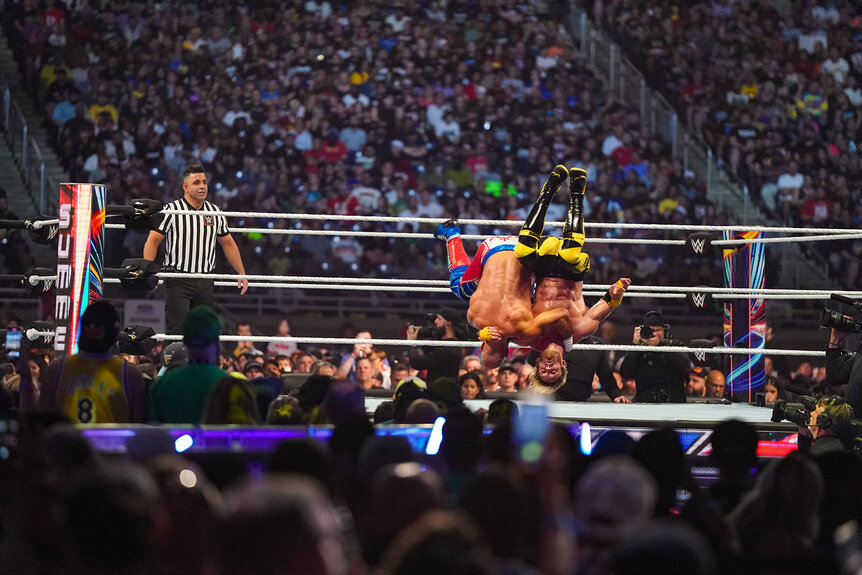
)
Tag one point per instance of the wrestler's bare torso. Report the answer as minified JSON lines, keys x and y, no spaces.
{"x":502,"y":298}
{"x":556,"y":293}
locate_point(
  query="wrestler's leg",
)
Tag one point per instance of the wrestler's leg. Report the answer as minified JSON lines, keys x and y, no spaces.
{"x":571,"y":249}
{"x":456,"y":257}
{"x":531,"y":231}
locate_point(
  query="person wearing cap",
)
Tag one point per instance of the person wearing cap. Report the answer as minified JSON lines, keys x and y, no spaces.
{"x":507,"y":378}
{"x":252,"y":369}
{"x":95,"y":385}
{"x":695,"y":385}
{"x":438,"y":361}
{"x":659,"y":377}
{"x":179,"y":396}
{"x":174,"y":355}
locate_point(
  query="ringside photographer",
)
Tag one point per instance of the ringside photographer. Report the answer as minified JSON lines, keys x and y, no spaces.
{"x":438,"y":361}
{"x":825,"y":423}
{"x":659,"y":377}
{"x":843,"y":367}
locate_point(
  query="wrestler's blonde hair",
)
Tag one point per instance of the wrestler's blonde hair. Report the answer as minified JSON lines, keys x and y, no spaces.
{"x":536,"y":385}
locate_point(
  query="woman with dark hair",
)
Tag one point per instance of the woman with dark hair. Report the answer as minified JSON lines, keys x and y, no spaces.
{"x":231,"y":402}
{"x":773,"y":389}
{"x":472,"y":385}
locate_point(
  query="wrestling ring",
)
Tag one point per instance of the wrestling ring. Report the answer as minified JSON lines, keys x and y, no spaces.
{"x":694,"y":420}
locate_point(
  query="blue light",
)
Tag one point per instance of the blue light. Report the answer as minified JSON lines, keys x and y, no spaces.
{"x":586,"y":439}
{"x":183,"y":443}
{"x":436,"y":437}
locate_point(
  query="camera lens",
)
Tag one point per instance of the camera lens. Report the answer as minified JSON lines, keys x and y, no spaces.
{"x":647,"y":332}
{"x":838,"y":321}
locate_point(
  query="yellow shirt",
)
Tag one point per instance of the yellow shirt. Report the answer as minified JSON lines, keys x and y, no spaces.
{"x":91,"y":390}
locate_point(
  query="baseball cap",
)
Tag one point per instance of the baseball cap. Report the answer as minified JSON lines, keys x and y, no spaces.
{"x":653,"y":318}
{"x":201,"y":327}
{"x":506,"y":366}
{"x":251,"y":364}
{"x":175,"y":355}
{"x":452,"y":314}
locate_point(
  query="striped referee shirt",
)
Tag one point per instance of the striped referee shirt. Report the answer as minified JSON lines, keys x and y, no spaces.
{"x":191,"y":239}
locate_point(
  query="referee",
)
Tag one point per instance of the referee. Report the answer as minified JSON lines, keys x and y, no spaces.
{"x":191,"y":249}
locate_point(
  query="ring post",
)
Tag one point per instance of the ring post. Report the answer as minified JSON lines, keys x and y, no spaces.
{"x":744,"y":319}
{"x":80,"y":258}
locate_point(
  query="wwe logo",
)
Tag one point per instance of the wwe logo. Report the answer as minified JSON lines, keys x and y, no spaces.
{"x":698,"y":245}
{"x":700,"y":356}
{"x":699,"y":299}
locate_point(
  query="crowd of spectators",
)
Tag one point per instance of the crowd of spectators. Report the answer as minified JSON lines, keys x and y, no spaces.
{"x":773,"y":88}
{"x":431,"y":109}
{"x":364,"y":501}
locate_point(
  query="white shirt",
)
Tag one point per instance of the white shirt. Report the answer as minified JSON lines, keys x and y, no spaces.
{"x":232,"y":117}
{"x":790,"y":181}
{"x":838,"y":68}
{"x":610,"y":144}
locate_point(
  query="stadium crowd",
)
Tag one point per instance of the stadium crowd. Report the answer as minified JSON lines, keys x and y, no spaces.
{"x":434,"y":109}
{"x":774,"y":88}
{"x":362,"y":502}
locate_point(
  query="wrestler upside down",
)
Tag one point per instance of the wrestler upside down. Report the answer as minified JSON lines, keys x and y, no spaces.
{"x":500,"y":304}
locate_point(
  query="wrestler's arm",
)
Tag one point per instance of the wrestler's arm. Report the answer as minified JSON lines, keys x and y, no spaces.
{"x":541,"y":323}
{"x":493,"y":353}
{"x":603,"y":308}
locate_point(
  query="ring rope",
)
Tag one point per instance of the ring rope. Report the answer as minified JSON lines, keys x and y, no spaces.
{"x":408,"y":235}
{"x":831,"y":238}
{"x":659,"y":291}
{"x":518,"y":223}
{"x":452,"y":343}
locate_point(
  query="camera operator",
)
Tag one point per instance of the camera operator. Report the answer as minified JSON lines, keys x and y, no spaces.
{"x":438,"y":361}
{"x":843,"y":367}
{"x":825,"y":425}
{"x":659,"y":377}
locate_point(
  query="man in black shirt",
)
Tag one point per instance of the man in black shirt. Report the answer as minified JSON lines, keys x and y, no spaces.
{"x":660,"y":377}
{"x":439,"y":361}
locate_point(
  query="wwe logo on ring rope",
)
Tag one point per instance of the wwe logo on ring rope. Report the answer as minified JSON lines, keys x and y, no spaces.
{"x":698,"y":246}
{"x":700,"y":356}
{"x":699,"y":299}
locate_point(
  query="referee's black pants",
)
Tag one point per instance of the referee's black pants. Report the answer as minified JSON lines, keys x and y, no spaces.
{"x":182,"y":295}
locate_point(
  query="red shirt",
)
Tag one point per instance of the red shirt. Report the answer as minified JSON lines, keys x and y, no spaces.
{"x":343,"y":206}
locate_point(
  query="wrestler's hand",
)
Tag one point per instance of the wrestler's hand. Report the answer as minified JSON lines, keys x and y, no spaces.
{"x":242,"y":285}
{"x":490,"y":333}
{"x":618,"y":289}
{"x":622,"y":399}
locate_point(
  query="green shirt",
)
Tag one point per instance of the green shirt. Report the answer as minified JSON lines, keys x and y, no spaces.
{"x":180,"y":394}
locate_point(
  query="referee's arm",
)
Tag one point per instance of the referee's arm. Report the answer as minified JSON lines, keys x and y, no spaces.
{"x":151,"y":248}
{"x":231,"y":252}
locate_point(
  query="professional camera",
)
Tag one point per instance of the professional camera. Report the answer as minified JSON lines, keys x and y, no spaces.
{"x":428,"y":328}
{"x":782,"y":411}
{"x":837,"y":320}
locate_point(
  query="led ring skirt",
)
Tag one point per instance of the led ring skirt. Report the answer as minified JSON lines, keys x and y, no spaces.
{"x":81,"y":273}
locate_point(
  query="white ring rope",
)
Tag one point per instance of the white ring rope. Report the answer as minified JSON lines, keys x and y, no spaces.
{"x":409,"y":235}
{"x":516,"y":223}
{"x":739,"y":242}
{"x":452,"y":343}
{"x":371,"y":284}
